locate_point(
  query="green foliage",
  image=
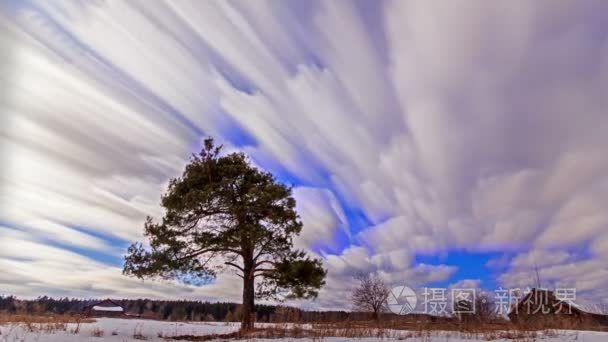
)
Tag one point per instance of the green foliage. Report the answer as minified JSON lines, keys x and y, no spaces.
{"x":225,"y":213}
{"x":297,"y":272}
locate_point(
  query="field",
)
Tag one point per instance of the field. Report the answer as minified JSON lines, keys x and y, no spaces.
{"x":26,"y":329}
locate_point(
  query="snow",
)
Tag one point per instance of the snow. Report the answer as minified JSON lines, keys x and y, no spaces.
{"x":118,"y":330}
{"x":108,"y":308}
{"x":115,"y":329}
{"x":590,"y":307}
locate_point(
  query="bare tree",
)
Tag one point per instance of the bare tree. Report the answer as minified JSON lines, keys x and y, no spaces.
{"x":370,"y":294}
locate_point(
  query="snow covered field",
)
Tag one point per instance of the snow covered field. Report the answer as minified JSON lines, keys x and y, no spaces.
{"x":111,"y":329}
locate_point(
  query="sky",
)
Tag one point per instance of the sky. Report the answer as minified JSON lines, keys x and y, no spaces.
{"x":434,"y":143}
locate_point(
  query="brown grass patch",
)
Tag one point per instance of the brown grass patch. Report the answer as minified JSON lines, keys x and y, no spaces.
{"x":296,"y":332}
{"x":43,"y":319}
{"x":43,"y":323}
{"x":385,"y":330}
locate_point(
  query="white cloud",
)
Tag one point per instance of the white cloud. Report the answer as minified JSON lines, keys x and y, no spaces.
{"x":540,"y":259}
{"x":322,"y":216}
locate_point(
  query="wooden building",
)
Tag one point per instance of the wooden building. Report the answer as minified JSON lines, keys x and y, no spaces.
{"x":542,"y":307}
{"x":105,"y":308}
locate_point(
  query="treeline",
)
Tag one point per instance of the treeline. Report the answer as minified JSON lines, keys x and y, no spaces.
{"x":181,"y":310}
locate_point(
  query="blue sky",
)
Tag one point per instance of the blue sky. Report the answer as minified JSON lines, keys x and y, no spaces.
{"x":433,"y":143}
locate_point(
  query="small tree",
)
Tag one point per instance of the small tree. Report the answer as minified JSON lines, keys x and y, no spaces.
{"x":224,"y":213}
{"x":370,"y":294}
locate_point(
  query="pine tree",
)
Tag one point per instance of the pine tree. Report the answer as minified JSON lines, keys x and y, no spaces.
{"x":224,"y":209}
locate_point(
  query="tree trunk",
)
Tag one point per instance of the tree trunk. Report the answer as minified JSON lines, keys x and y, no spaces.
{"x":248,"y":304}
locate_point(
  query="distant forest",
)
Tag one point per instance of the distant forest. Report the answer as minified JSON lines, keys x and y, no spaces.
{"x":172,"y":310}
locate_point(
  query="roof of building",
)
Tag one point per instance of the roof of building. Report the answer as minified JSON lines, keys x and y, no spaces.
{"x":107,"y":305}
{"x":552,"y":299}
{"x":108,"y":308}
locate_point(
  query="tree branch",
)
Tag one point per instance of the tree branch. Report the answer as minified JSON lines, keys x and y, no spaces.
{"x":262,"y":272}
{"x":207,"y":250}
{"x":262,"y":249}
{"x":270,"y":262}
{"x":235,"y":266}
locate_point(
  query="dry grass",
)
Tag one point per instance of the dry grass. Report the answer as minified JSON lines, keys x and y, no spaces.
{"x":456,"y":326}
{"x":319,"y":335}
{"x":355,"y":330}
{"x":383,"y":329}
{"x":43,"y":319}
{"x":138,"y":333}
{"x":47,"y":324}
{"x":97,"y":332}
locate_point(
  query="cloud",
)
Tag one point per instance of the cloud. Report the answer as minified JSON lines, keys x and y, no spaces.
{"x":69,"y":236}
{"x":407,"y":127}
{"x":394,"y":268}
{"x":539,"y":258}
{"x":322,"y":216}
